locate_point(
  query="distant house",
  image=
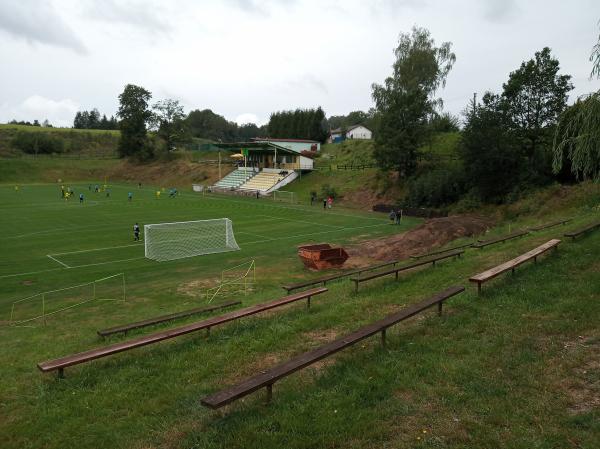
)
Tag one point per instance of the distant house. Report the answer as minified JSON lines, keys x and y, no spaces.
{"x":352,"y":132}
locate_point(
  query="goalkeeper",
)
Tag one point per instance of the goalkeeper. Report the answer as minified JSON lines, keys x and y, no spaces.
{"x":136,"y":232}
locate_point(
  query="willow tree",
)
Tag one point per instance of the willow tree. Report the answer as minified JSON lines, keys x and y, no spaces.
{"x":577,"y":137}
{"x":406,"y":99}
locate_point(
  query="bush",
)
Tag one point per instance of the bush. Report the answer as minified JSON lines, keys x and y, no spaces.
{"x":328,"y":191}
{"x":436,"y":188}
{"x":37,"y":143}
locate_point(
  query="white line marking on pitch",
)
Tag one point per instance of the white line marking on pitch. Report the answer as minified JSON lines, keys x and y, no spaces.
{"x":300,"y":221}
{"x":95,"y":249}
{"x":56,"y":260}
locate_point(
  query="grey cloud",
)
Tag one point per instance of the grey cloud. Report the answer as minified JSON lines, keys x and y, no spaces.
{"x":38,"y":22}
{"x":140,"y":14}
{"x":260,"y":7}
{"x":309,"y":81}
{"x":500,"y":11}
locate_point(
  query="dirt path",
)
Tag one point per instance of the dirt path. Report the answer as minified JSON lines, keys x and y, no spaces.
{"x":432,"y":234}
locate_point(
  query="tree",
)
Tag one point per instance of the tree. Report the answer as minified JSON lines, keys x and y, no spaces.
{"x":134,"y":115}
{"x":577,"y":138}
{"x":490,"y":150}
{"x":406,"y":99}
{"x":535,"y":96}
{"x":169,"y":119}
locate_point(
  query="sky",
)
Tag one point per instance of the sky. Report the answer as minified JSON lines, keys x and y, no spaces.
{"x":247,"y":58}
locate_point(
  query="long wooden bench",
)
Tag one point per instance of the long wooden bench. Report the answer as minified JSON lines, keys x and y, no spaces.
{"x":583,"y":230}
{"x":484,"y":243}
{"x":268,"y":377}
{"x":61,"y":363}
{"x":512,"y":264}
{"x":441,"y":251}
{"x":324,"y":280}
{"x":396,"y":270}
{"x":550,"y":225}
{"x":124,"y":328}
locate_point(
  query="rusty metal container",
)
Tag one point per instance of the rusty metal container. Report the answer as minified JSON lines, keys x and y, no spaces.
{"x":322,"y":256}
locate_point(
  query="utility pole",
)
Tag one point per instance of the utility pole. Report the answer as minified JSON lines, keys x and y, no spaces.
{"x":474,"y":102}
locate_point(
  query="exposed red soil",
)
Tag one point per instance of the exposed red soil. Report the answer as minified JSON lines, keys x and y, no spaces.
{"x":434,"y":233}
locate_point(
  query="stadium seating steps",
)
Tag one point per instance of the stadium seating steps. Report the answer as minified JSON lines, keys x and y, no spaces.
{"x":262,"y":181}
{"x":236,"y":178}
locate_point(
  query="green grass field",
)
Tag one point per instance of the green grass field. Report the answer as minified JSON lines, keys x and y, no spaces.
{"x":515,"y":368}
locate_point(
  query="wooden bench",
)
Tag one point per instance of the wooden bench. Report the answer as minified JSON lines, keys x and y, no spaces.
{"x":87,"y":356}
{"x":268,"y":377}
{"x":512,"y":264}
{"x":484,"y":243}
{"x":396,"y":270}
{"x":441,"y":251}
{"x":550,"y":225}
{"x":333,"y":277}
{"x":124,"y":328}
{"x":583,"y":230}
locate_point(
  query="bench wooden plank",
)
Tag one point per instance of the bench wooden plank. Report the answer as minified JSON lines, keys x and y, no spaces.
{"x":550,"y":225}
{"x":86,"y":356}
{"x":270,"y":376}
{"x":396,"y":270}
{"x":512,"y":264}
{"x":441,"y":251}
{"x":124,"y":328}
{"x":484,"y":243}
{"x":583,"y":230}
{"x":325,"y":279}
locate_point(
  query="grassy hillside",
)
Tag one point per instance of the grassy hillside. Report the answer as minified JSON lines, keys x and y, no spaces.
{"x":181,"y":172}
{"x":72,"y":141}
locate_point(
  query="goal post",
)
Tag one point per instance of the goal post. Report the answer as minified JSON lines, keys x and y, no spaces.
{"x":284,"y":196}
{"x":170,"y":241}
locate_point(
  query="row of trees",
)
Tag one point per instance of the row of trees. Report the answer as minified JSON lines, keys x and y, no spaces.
{"x":299,"y":124}
{"x":206,"y":124}
{"x":44,"y":124}
{"x":522,"y":137}
{"x":93,"y":120}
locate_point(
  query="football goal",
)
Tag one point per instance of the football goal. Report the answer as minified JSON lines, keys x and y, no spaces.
{"x":37,"y":308}
{"x":170,"y":241}
{"x":284,"y":196}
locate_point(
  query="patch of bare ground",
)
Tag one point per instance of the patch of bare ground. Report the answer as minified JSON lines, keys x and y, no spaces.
{"x":582,"y":383}
{"x":196,"y":287}
{"x":432,"y":234}
{"x":318,"y":338}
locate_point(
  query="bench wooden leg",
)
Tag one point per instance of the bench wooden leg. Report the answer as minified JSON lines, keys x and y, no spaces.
{"x":207,"y":332}
{"x":535,"y":259}
{"x":308,"y":302}
{"x":440,"y":308}
{"x":355,"y":286}
{"x":383,"y":338}
{"x":269,"y":393}
{"x":396,"y":275}
{"x":61,"y":373}
{"x":433,"y":263}
{"x":479,"y":288}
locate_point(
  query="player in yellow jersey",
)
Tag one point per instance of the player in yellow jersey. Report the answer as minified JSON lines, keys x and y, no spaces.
{"x":158,"y":194}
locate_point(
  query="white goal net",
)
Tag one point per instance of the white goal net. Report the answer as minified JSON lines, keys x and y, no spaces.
{"x":169,"y":241}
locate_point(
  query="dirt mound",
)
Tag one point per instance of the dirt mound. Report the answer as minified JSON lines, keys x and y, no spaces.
{"x":434,"y":233}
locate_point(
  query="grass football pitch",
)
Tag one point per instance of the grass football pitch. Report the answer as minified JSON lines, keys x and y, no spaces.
{"x":516,"y":367}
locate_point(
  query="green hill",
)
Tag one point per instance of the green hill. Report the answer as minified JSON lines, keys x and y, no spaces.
{"x":16,"y":140}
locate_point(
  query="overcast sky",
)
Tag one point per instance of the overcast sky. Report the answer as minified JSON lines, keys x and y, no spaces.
{"x":247,"y":58}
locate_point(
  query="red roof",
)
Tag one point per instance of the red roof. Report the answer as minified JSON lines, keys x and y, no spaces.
{"x":283,"y":140}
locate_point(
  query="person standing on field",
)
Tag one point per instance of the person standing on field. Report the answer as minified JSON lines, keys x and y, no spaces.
{"x":324,"y":203}
{"x":329,"y":202}
{"x":129,"y":196}
{"x":136,"y":232}
{"x":81,"y":198}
